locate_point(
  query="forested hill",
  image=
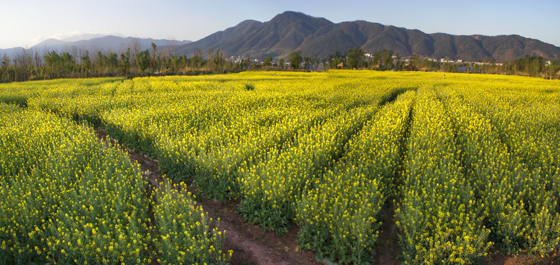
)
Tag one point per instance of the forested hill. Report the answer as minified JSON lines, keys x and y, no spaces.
{"x":292,"y":31}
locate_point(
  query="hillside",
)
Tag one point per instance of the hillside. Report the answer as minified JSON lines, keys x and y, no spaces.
{"x":291,"y":31}
{"x":113,"y":43}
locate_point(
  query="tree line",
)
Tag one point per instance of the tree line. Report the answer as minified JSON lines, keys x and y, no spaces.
{"x":31,"y":65}
{"x":355,"y":58}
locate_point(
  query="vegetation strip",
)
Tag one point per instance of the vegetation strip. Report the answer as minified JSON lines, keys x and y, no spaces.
{"x":470,"y":162}
{"x":93,"y":207}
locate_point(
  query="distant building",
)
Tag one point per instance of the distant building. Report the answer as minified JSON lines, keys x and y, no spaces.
{"x":459,"y":61}
{"x":368,"y":55}
{"x":410,"y":67}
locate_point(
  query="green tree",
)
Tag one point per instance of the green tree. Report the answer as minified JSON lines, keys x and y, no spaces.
{"x":385,"y":58}
{"x":113,"y":61}
{"x":295,"y":59}
{"x":355,"y":57}
{"x":268,"y":61}
{"x":125,"y":64}
{"x":307,"y":62}
{"x":282,"y":64}
{"x":143,"y":60}
{"x":85,"y":64}
{"x":553,"y":69}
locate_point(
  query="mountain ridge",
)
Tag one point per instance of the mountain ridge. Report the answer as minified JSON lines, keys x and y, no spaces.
{"x":290,"y":31}
{"x":93,"y":45}
{"x":108,"y":42}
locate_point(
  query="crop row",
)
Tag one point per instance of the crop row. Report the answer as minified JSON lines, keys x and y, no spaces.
{"x":67,"y":198}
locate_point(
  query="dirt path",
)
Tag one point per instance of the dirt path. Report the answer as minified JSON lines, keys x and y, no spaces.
{"x":250,"y":244}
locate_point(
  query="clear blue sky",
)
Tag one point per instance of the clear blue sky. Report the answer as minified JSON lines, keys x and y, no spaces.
{"x":26,"y":22}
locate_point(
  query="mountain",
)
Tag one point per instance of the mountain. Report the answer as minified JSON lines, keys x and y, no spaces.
{"x":10,"y":52}
{"x":83,"y":37}
{"x":292,"y":31}
{"x":104,"y":43}
{"x":277,"y":37}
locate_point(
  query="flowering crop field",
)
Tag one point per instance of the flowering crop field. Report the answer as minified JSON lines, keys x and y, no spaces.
{"x":69,"y":199}
{"x":468,"y":162}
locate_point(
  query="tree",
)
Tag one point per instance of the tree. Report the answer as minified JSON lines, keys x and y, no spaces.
{"x":325,"y":62}
{"x":335,"y":59}
{"x":125,"y":64}
{"x":415,"y":60}
{"x":295,"y":59}
{"x":399,"y":64}
{"x":316,"y":61}
{"x":553,"y":69}
{"x":268,"y":61}
{"x":135,"y":48}
{"x":355,"y":56}
{"x":247,"y":62}
{"x":154,"y":56}
{"x":85,"y":64}
{"x":143,"y":60}
{"x":218,"y":62}
{"x":307,"y":62}
{"x":113,"y":60}
{"x":171,"y":44}
{"x":6,"y":61}
{"x":196,"y":59}
{"x":282,"y":64}
{"x":385,"y":58}
{"x":210,"y":59}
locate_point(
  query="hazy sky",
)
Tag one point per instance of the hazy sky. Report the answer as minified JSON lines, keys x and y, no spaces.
{"x":27,"y":22}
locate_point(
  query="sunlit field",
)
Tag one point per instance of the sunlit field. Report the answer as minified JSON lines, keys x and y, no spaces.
{"x":468,"y":162}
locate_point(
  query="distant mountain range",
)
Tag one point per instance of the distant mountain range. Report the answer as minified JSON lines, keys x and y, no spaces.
{"x":292,"y":31}
{"x":94,"y":43}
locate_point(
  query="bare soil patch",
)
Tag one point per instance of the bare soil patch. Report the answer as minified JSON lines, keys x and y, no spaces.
{"x":387,"y":250}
